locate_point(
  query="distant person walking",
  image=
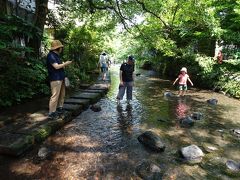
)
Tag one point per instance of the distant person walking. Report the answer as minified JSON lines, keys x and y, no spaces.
{"x":126,"y":79}
{"x":103,"y":64}
{"x":182,"y":78}
{"x":109,"y":62}
{"x":220,"y":57}
{"x":56,"y":76}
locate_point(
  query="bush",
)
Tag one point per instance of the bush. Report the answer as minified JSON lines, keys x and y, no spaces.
{"x":21,"y":77}
{"x":205,"y":72}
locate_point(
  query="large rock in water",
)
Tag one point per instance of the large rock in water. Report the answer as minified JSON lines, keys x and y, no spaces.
{"x":236,"y":132}
{"x":96,"y":108}
{"x":186,"y":122}
{"x":44,"y":153}
{"x":212,"y":101}
{"x":192,"y":154}
{"x":148,"y":170}
{"x":168,"y":94}
{"x":233,"y":166}
{"x":197,"y":116}
{"x":152,"y":141}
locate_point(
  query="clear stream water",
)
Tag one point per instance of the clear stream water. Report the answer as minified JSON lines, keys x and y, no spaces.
{"x":104,"y":145}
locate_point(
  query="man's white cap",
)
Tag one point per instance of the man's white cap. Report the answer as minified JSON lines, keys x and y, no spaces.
{"x":184,"y":69}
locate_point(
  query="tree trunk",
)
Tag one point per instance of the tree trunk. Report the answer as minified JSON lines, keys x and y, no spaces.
{"x":39,"y":21}
{"x":3,"y":7}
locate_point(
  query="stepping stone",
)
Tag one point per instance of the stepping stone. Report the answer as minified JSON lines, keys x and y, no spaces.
{"x":15,"y":144}
{"x":102,"y":92}
{"x":21,"y":135}
{"x":103,"y":87}
{"x":84,"y":102}
{"x":94,"y":97}
{"x":76,"y":109}
{"x":100,"y":81}
{"x":4,"y":121}
{"x":12,"y":127}
{"x":84,"y":86}
{"x":40,"y":133}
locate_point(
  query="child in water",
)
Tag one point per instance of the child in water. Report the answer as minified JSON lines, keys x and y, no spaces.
{"x":183,"y":78}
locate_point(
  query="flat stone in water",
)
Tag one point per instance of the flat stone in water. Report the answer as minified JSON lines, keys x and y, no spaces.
{"x":209,"y":148}
{"x":96,"y":108}
{"x":212,"y":101}
{"x":232,"y":165}
{"x":152,"y":141}
{"x":168,"y":94}
{"x":236,"y":132}
{"x":197,"y":116}
{"x":186,"y":122}
{"x":148,"y":170}
{"x":43,"y":153}
{"x":192,"y":153}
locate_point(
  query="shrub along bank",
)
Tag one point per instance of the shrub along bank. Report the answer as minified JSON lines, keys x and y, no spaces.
{"x":205,"y":72}
{"x":24,"y":76}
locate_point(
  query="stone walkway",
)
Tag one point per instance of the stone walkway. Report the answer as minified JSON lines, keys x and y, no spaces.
{"x":16,"y":137}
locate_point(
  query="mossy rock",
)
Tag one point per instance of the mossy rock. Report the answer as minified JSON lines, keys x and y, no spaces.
{"x":15,"y":144}
{"x":41,"y":133}
{"x":209,"y":148}
{"x":22,"y":144}
{"x":230,"y":173}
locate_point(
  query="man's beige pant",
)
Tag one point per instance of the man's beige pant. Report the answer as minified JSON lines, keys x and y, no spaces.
{"x":58,"y":94}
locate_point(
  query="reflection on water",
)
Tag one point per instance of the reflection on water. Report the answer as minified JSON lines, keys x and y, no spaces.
{"x":125,"y":118}
{"x":181,"y":108}
{"x":104,"y":145}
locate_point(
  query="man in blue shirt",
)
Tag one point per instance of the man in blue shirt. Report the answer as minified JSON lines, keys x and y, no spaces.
{"x":56,"y":77}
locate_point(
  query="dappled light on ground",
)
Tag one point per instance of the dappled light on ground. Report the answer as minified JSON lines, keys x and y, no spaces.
{"x":104,"y":145}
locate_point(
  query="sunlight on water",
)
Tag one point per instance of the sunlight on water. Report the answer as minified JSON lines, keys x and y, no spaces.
{"x":104,"y":144}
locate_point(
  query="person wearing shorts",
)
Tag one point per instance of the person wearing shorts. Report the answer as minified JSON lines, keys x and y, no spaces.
{"x":183,"y":77}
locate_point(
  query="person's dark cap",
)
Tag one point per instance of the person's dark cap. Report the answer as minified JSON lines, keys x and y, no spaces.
{"x":131,"y":58}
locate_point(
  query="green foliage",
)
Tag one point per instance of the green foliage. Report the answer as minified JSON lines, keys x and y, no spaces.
{"x":82,"y":46}
{"x":229,"y":78}
{"x":169,"y":35}
{"x":21,"y":77}
{"x":206,"y":72}
{"x":22,"y":80}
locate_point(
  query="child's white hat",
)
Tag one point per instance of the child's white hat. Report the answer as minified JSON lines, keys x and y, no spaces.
{"x":184,"y":69}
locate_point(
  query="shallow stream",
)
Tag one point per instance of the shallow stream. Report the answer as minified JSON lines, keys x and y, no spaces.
{"x":104,"y":145}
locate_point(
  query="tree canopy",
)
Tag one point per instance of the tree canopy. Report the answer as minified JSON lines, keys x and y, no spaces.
{"x":164,"y":32}
{"x":165,"y":26}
